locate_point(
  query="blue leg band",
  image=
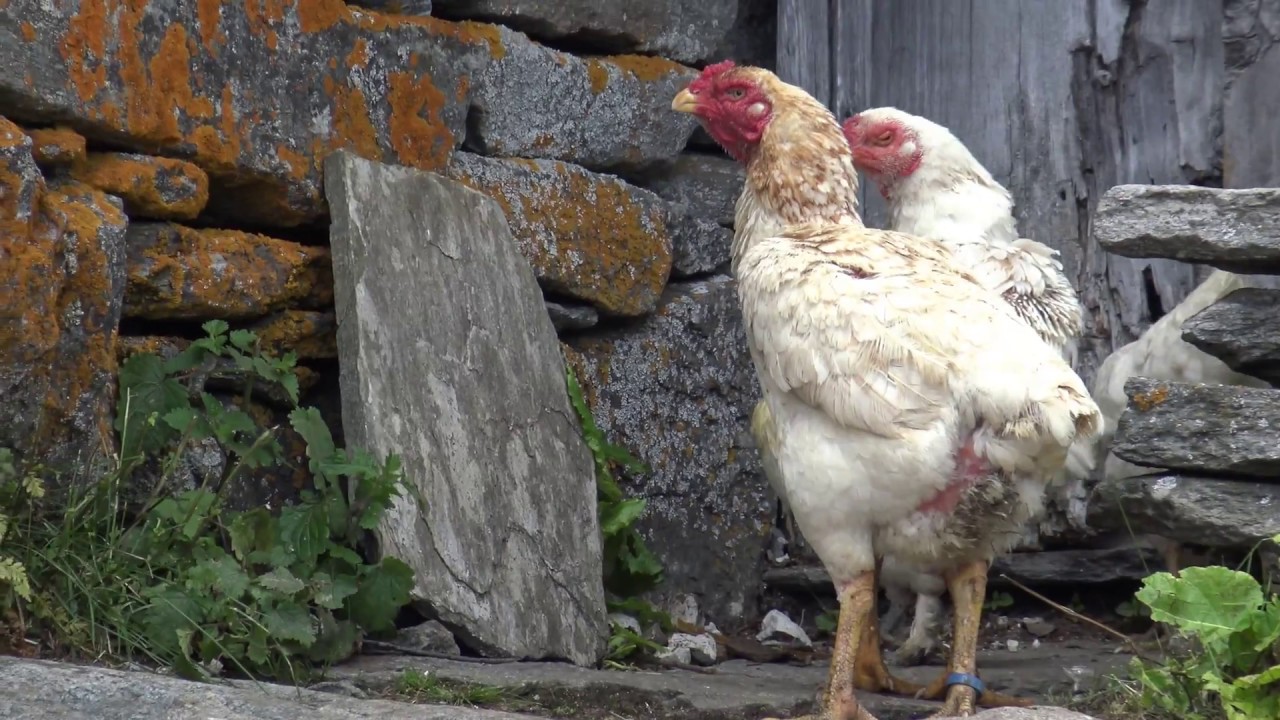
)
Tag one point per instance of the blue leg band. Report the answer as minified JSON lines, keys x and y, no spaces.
{"x":972,"y":681}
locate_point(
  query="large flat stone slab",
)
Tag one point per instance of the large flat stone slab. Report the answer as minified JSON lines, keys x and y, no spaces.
{"x":1242,"y":331}
{"x":41,"y":690}
{"x":1211,"y":429}
{"x":677,"y":390}
{"x":1236,"y":230}
{"x":449,"y":360}
{"x":255,"y":94}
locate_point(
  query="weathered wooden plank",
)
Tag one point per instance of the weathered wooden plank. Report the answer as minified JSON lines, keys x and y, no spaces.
{"x":804,"y":45}
{"x":1205,"y":429}
{"x":1250,"y":143}
{"x":1060,"y":101}
{"x":1241,"y":330}
{"x":1236,"y":230}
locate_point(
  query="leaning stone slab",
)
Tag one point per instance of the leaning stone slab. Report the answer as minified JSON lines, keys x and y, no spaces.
{"x":62,"y":249}
{"x":1236,"y":230}
{"x":183,"y":273}
{"x":43,"y":690}
{"x":255,"y":94}
{"x":1242,"y":330}
{"x":589,"y":236}
{"x":698,"y":247}
{"x":677,"y":29}
{"x":1189,"y":508}
{"x":450,"y":361}
{"x":602,"y":113}
{"x":677,"y":391}
{"x":1215,"y":429}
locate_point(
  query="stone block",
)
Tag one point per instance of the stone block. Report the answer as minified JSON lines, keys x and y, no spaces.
{"x":151,"y":187}
{"x":62,"y":247}
{"x":1241,"y":331}
{"x":57,"y":146}
{"x":588,"y":236}
{"x":1196,"y":428}
{"x":604,"y":113}
{"x":450,"y":361}
{"x":256,"y":94}
{"x":181,"y":273}
{"x":677,"y":390}
{"x":1236,"y":230}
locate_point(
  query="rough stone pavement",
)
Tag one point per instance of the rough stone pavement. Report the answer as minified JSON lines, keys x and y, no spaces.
{"x":739,"y":689}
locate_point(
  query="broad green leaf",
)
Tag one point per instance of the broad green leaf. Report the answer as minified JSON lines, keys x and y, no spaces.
{"x":384,"y":589}
{"x":1210,"y":602}
{"x":250,"y":531}
{"x":346,"y":555}
{"x":336,"y":640}
{"x":331,"y":591}
{"x":224,"y":576}
{"x":215,"y":328}
{"x":290,"y":622}
{"x":304,"y":531}
{"x":281,"y":581}
{"x":183,"y":419}
{"x":243,"y":339}
{"x":308,"y":423}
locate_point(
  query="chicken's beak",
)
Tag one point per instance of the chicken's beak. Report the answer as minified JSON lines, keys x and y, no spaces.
{"x":684,"y":101}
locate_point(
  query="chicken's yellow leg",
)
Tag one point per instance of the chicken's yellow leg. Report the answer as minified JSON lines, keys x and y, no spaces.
{"x":857,"y":601}
{"x":968,"y":588}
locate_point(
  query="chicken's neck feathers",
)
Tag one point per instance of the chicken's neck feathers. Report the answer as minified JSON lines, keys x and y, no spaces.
{"x":801,"y":172}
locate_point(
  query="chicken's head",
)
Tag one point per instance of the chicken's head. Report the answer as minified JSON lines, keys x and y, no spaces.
{"x":733,"y":103}
{"x":885,"y":143}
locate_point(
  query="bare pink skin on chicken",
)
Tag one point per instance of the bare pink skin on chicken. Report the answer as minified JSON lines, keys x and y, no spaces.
{"x":885,"y":151}
{"x":733,"y":109}
{"x":969,"y":469}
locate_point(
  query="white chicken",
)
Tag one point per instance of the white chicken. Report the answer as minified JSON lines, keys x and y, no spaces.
{"x":906,"y":426}
{"x":1161,"y":353}
{"x":935,"y":188}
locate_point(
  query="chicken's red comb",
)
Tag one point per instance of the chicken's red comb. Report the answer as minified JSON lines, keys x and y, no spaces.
{"x":710,"y":73}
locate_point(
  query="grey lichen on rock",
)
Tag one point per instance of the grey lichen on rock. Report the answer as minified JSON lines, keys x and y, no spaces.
{"x":450,"y":361}
{"x":603,"y":113}
{"x":677,"y":390}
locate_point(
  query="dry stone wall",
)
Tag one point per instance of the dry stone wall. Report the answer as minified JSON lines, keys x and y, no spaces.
{"x":161,"y":164}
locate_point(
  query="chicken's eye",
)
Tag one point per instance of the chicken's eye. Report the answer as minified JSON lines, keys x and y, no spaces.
{"x":884,"y":138}
{"x":736,"y":93}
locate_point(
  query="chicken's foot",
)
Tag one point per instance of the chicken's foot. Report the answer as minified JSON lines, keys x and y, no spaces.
{"x":857,"y":603}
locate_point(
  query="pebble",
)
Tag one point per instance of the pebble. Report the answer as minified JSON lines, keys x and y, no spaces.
{"x":777,"y":628}
{"x":702,"y":648}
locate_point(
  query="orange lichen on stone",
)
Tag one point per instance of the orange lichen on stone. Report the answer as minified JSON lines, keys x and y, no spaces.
{"x":151,"y":187}
{"x":57,"y":146}
{"x":419,"y":135}
{"x":586,"y":235}
{"x":85,"y":371}
{"x":597,"y":75}
{"x":645,"y":68}
{"x":1146,"y":401}
{"x":177,"y":272}
{"x":28,"y":32}
{"x":159,"y":345}
{"x":310,"y":334}
{"x":354,"y":128}
{"x":320,"y":15}
{"x":84,"y":49}
{"x":210,"y":18}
